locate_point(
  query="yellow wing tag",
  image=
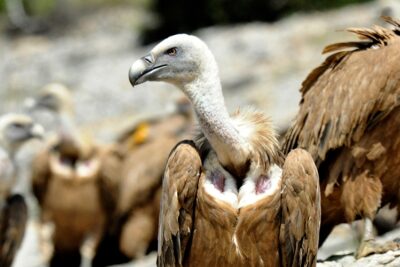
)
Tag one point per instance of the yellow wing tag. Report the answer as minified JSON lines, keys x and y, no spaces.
{"x":140,"y":135}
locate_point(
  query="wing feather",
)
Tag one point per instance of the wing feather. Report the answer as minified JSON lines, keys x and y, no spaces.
{"x":109,"y":177}
{"x":349,"y":93}
{"x":301,"y":210}
{"x":41,"y":174}
{"x":12,"y":228}
{"x":180,"y":182}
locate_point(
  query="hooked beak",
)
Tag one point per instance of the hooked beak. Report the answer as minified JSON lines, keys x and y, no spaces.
{"x":37,"y":131}
{"x":143,"y":69}
{"x":29,"y":104}
{"x":34,"y":103}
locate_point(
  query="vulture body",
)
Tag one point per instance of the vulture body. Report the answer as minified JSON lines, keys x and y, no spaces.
{"x":229,"y":199}
{"x":349,"y":120}
{"x":69,"y":187}
{"x":132,"y":229}
{"x":72,"y":179}
{"x":15,"y":130}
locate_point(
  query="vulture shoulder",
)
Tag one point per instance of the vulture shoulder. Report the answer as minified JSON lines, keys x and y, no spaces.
{"x":139,"y":183}
{"x":109,"y":176}
{"x":355,"y":88}
{"x":13,"y":219}
{"x":41,"y":174}
{"x":301,"y":210}
{"x":180,"y":183}
{"x":7,"y":174}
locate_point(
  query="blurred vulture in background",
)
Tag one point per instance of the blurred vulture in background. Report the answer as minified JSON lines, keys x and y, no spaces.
{"x":231,"y":199}
{"x":53,"y":107}
{"x":132,"y":230}
{"x":15,"y":130}
{"x":349,"y":121}
{"x":73,"y":179}
{"x":110,"y":191}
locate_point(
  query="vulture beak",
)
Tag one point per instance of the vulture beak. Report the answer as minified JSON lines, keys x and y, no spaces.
{"x":37,"y":131}
{"x":34,"y":103}
{"x":143,"y":69}
{"x":29,"y":103}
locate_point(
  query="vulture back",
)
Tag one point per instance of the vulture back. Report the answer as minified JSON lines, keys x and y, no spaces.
{"x":348,"y":120}
{"x":351,"y":92}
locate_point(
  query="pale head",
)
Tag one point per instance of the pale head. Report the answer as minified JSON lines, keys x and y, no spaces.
{"x":15,"y":129}
{"x":186,"y":61}
{"x":180,"y":59}
{"x":54,"y":97}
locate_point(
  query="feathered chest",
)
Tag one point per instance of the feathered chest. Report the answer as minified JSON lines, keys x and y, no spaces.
{"x":76,"y":170}
{"x":224,"y":188}
{"x":243,"y":222}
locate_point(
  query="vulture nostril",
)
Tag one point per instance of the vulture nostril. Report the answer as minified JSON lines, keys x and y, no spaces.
{"x":148,"y":59}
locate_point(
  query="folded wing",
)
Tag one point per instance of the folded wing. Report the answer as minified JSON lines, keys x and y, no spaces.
{"x":301,"y":210}
{"x":12,"y":228}
{"x":180,"y":182}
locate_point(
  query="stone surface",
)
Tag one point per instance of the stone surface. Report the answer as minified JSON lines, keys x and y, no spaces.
{"x":342,"y":244}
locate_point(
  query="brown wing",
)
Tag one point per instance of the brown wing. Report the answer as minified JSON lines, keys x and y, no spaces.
{"x":177,"y":204}
{"x":108,"y":184}
{"x":40,"y":175}
{"x":350,"y":92}
{"x":12,"y":228}
{"x":153,"y":128}
{"x":301,"y":210}
{"x":109,"y":177}
{"x":143,"y":171}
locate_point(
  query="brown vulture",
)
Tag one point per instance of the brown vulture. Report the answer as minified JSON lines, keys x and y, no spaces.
{"x":230,"y":199}
{"x":74,"y":179}
{"x":15,"y":130}
{"x":131,"y":231}
{"x":349,"y":121}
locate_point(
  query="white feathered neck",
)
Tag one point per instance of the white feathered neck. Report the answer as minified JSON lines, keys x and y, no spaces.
{"x":245,"y":141}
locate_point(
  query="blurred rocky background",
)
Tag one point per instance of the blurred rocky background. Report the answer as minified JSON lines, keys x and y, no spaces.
{"x":265,"y":48}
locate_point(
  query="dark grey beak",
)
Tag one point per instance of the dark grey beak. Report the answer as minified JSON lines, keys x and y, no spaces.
{"x":40,"y":102}
{"x":29,"y":104}
{"x":142,"y":70}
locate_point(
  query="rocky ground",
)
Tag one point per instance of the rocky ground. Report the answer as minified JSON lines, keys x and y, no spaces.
{"x":261,"y":65}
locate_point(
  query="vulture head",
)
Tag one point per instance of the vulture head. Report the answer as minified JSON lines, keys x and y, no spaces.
{"x":52,"y":108}
{"x":186,"y":62}
{"x":53,"y":97}
{"x":15,"y":129}
{"x":180,"y":60}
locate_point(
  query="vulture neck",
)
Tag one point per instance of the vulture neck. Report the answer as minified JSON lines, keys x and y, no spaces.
{"x":206,"y":96}
{"x":9,"y":148}
{"x":67,"y":130}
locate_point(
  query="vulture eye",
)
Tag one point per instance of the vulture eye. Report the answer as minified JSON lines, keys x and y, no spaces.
{"x":18,"y":125}
{"x":171,"y":51}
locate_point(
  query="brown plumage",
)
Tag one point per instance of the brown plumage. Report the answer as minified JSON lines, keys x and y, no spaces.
{"x":197,"y":229}
{"x":75,"y":193}
{"x":15,"y":130}
{"x":230,"y":199}
{"x":13,"y":218}
{"x":74,"y":181}
{"x":132,"y":229}
{"x":348,"y":120}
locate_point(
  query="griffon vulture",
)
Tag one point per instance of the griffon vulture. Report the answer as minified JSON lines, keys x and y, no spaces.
{"x":15,"y":130}
{"x":349,"y":121}
{"x":131,"y":231}
{"x":73,"y":180}
{"x":53,"y":108}
{"x":229,"y":199}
